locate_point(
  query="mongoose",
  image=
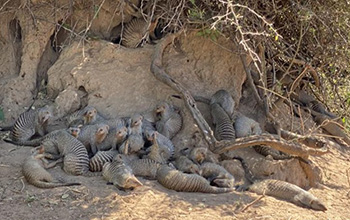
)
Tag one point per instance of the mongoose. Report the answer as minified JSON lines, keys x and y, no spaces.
{"x":85,"y":116}
{"x":115,"y":137}
{"x":185,"y":165}
{"x":319,"y":107}
{"x":246,"y":126}
{"x":135,"y":141}
{"x":332,"y":127}
{"x":93,"y":135}
{"x":118,"y":173}
{"x":155,"y":152}
{"x":223,"y":124}
{"x":136,"y":31}
{"x":183,"y":182}
{"x":165,"y":145}
{"x":34,"y":171}
{"x":75,"y":156}
{"x":225,"y":100}
{"x":146,"y":168}
{"x":100,"y":158}
{"x":169,"y":121}
{"x":30,"y":123}
{"x":282,"y":190}
{"x":217,"y":175}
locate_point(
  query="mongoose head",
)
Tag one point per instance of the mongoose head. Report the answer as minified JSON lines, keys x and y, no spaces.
{"x":121,"y":133}
{"x":194,"y":168}
{"x":161,"y":109}
{"x":132,"y":182}
{"x":198,"y":154}
{"x":226,"y":183}
{"x":44,"y":114}
{"x":152,"y":136}
{"x":101,"y":132}
{"x":136,"y":120}
{"x":90,"y":115}
{"x":75,"y":131}
{"x":119,"y":158}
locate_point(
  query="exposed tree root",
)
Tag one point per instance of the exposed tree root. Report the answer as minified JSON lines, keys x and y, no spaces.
{"x":274,"y":141}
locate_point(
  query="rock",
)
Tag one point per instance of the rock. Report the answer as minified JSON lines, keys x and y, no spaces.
{"x":67,"y":102}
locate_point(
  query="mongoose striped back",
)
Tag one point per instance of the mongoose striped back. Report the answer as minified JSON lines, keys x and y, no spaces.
{"x":30,"y":123}
{"x":118,"y":173}
{"x":223,"y":125}
{"x":225,"y":100}
{"x":182,"y":182}
{"x":144,"y":167}
{"x":76,"y":160}
{"x":135,"y":31}
{"x":169,"y":120}
{"x":36,"y":175}
{"x":100,"y":158}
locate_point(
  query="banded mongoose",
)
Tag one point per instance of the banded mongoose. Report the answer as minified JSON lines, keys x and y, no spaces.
{"x":223,"y":124}
{"x":75,"y":156}
{"x":85,"y":116}
{"x":120,"y":174}
{"x":186,"y":165}
{"x":100,"y":158}
{"x":135,"y":141}
{"x":183,"y":182}
{"x":282,"y":190}
{"x":332,"y":128}
{"x":115,"y":137}
{"x":225,"y":100}
{"x":30,"y":123}
{"x":246,"y":126}
{"x":155,"y":152}
{"x":136,"y":31}
{"x":217,"y":175}
{"x":320,"y":108}
{"x":34,"y":171}
{"x":169,"y":120}
{"x":165,"y":145}
{"x":146,"y":168}
{"x":93,"y":135}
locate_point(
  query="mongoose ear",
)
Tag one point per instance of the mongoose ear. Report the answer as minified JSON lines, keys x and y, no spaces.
{"x":80,"y":126}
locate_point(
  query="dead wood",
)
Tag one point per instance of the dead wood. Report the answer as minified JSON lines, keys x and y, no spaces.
{"x":274,"y":141}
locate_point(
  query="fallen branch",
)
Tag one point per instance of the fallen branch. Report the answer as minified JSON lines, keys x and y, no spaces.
{"x":274,"y":141}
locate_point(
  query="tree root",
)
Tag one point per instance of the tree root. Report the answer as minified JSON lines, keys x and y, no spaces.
{"x":274,"y":141}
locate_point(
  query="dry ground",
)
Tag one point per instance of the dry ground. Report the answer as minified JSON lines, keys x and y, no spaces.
{"x":96,"y":200}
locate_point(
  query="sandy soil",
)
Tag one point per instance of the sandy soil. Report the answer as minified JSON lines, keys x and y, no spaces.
{"x":96,"y":200}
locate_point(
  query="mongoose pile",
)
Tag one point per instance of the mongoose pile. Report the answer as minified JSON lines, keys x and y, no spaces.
{"x":122,"y":149}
